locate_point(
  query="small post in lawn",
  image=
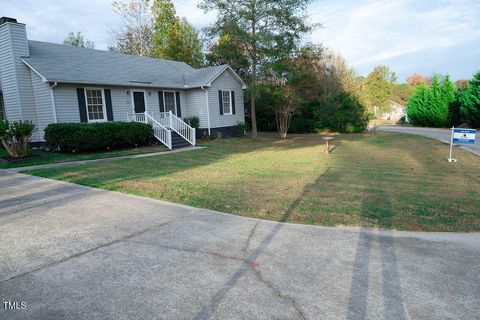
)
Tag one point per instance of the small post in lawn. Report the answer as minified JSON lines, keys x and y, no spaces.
{"x":327,"y":146}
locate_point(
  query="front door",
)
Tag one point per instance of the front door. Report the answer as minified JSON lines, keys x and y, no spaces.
{"x":139,"y":101}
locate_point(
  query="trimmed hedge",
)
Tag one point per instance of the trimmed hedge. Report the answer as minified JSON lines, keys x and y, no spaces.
{"x":83,"y":137}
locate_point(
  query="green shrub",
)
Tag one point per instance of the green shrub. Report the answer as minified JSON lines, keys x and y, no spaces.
{"x":193,"y":122}
{"x":15,"y":136}
{"x":83,"y":137}
{"x":470,"y":102}
{"x":343,"y":113}
{"x":242,"y":128}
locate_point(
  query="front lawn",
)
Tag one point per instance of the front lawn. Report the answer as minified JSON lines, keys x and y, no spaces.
{"x":55,"y":157}
{"x":386,"y":180}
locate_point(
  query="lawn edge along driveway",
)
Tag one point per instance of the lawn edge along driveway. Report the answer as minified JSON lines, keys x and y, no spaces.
{"x":80,"y":162}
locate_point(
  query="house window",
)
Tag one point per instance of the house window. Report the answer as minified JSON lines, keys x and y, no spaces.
{"x":95,"y":105}
{"x":226,"y":102}
{"x":170,"y":104}
{"x":2,"y":109}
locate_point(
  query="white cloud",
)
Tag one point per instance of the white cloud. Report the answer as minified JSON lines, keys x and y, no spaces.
{"x":52,"y":20}
{"x":382,"y":31}
{"x":194,"y":15}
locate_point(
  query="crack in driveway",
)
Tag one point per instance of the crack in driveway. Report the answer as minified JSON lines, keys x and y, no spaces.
{"x":130,"y":236}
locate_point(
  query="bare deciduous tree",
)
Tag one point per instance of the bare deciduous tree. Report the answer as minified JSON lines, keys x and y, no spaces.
{"x":134,"y":35}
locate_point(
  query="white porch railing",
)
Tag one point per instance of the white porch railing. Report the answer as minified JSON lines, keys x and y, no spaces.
{"x":162,"y":117}
{"x":183,"y":129}
{"x":136,"y":117}
{"x":169,"y":120}
{"x":160,"y":132}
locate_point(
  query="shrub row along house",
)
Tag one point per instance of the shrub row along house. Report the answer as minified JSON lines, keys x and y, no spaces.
{"x":51,"y":83}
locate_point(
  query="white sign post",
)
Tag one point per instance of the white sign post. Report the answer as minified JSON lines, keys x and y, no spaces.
{"x":463,"y":136}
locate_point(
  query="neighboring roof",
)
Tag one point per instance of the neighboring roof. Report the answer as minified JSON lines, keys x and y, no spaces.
{"x":67,"y":64}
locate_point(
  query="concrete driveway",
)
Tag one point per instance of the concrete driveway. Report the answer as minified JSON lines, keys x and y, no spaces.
{"x":434,"y":133}
{"x":73,"y":252}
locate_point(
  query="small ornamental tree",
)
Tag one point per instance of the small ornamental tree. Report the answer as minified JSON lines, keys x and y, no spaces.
{"x":285,"y":108}
{"x":15,"y":136}
{"x":470,"y":102}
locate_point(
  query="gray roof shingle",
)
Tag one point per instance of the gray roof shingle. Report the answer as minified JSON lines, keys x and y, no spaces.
{"x":68,"y":64}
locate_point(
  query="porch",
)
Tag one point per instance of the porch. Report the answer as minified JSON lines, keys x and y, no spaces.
{"x":169,"y":129}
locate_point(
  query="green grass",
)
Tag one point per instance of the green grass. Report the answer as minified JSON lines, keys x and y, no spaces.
{"x":55,"y":157}
{"x":387,"y":180}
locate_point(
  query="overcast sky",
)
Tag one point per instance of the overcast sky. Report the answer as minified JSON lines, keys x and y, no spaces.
{"x":410,"y":36}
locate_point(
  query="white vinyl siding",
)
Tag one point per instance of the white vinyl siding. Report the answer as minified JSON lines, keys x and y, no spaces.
{"x":95,"y":102}
{"x":225,"y":82}
{"x":67,"y":102}
{"x":43,"y":105}
{"x":194,"y":104}
{"x":121,"y":103}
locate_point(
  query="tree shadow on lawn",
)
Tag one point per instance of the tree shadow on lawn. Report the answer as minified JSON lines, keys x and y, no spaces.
{"x":99,"y":174}
{"x":357,"y":305}
{"x":391,"y":293}
{"x":210,"y":308}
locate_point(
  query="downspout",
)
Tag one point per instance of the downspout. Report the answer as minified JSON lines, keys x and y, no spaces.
{"x":54,"y":109}
{"x":208,"y":108}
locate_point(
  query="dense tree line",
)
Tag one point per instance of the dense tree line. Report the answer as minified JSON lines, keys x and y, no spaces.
{"x":441,"y":103}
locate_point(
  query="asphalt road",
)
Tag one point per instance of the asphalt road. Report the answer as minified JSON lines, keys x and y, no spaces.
{"x":73,"y":252}
{"x":434,"y":133}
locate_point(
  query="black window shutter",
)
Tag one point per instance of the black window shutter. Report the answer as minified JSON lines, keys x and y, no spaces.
{"x":220,"y":101}
{"x":82,"y":107}
{"x":179,"y":108}
{"x":108,"y":104}
{"x":160,"y":101}
{"x":233,"y":101}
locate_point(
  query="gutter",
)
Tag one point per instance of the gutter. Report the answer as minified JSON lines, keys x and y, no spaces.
{"x":208,"y":108}
{"x":54,"y":109}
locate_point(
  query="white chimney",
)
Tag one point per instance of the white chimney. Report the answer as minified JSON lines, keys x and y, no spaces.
{"x":16,"y":80}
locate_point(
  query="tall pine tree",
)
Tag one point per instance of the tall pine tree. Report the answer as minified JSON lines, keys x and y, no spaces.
{"x":470,"y":102}
{"x":429,"y":106}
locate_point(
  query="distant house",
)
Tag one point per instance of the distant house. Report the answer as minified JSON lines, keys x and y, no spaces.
{"x":395,"y":112}
{"x":50,"y":83}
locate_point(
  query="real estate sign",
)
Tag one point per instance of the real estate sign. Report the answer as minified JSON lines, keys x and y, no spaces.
{"x":459,"y":135}
{"x":466,"y":136}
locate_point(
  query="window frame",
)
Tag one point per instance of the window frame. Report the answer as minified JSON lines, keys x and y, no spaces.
{"x":229,"y":102}
{"x":104,"y":107}
{"x":174,"y":101}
